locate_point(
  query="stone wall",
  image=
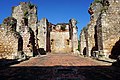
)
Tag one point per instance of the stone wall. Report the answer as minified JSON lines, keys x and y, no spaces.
{"x":27,"y":12}
{"x":60,"y":42}
{"x":9,"y":40}
{"x":90,"y":40}
{"x":91,"y":36}
{"x":8,"y":45}
{"x":63,"y":37}
{"x":42,"y":33}
{"x":25,"y":36}
{"x":27,"y":42}
{"x":103,"y":30}
{"x":109,"y":29}
{"x":26,"y":15}
{"x":83,"y":41}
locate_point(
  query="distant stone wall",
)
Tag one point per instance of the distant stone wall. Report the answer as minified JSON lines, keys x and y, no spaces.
{"x":60,"y":42}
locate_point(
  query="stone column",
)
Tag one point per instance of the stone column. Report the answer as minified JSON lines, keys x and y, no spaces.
{"x":83,"y":42}
{"x":42,"y":33}
{"x":73,"y":23}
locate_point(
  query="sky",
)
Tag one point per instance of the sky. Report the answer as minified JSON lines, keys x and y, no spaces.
{"x":56,"y":11}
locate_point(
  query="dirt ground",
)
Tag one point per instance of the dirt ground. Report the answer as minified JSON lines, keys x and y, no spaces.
{"x":60,"y":67}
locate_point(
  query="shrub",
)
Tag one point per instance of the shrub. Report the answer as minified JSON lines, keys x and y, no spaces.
{"x":63,"y":28}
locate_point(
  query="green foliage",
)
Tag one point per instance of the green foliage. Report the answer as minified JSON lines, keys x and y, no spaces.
{"x":11,"y":23}
{"x":30,"y":30}
{"x":97,"y":1}
{"x":63,"y":28}
{"x":104,"y":9}
{"x":30,"y":5}
{"x":78,"y":45}
{"x":26,"y":14}
{"x":84,"y":28}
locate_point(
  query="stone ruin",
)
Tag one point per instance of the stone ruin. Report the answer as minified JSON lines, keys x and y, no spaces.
{"x":101,"y":37}
{"x":57,"y":38}
{"x":22,"y":35}
{"x":9,"y":39}
{"x":63,"y":37}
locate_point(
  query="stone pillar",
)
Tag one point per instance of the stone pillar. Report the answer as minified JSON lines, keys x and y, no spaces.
{"x":83,"y":42}
{"x":90,"y":40}
{"x":42,"y":33}
{"x":27,"y":44}
{"x":73,"y":23}
{"x":33,"y":20}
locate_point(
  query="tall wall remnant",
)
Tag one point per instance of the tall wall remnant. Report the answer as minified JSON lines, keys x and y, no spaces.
{"x":105,"y":28}
{"x":74,"y":37}
{"x":108,"y":28}
{"x":83,"y":41}
{"x":26,"y":15}
{"x":42,"y":33}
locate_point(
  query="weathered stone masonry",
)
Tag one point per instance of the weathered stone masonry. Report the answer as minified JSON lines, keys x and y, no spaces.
{"x":105,"y":32}
{"x":10,"y":39}
{"x":22,"y":35}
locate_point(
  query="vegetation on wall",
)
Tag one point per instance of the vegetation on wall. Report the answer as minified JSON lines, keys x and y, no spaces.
{"x":97,"y":1}
{"x":78,"y":45}
{"x":30,"y":5}
{"x":104,"y":9}
{"x":63,"y":28}
{"x":26,"y":14}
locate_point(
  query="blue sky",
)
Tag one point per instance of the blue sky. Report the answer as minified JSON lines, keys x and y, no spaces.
{"x":56,"y":11}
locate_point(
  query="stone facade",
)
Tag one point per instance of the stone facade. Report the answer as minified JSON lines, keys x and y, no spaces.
{"x":60,"y":38}
{"x":103,"y":29}
{"x":57,"y":38}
